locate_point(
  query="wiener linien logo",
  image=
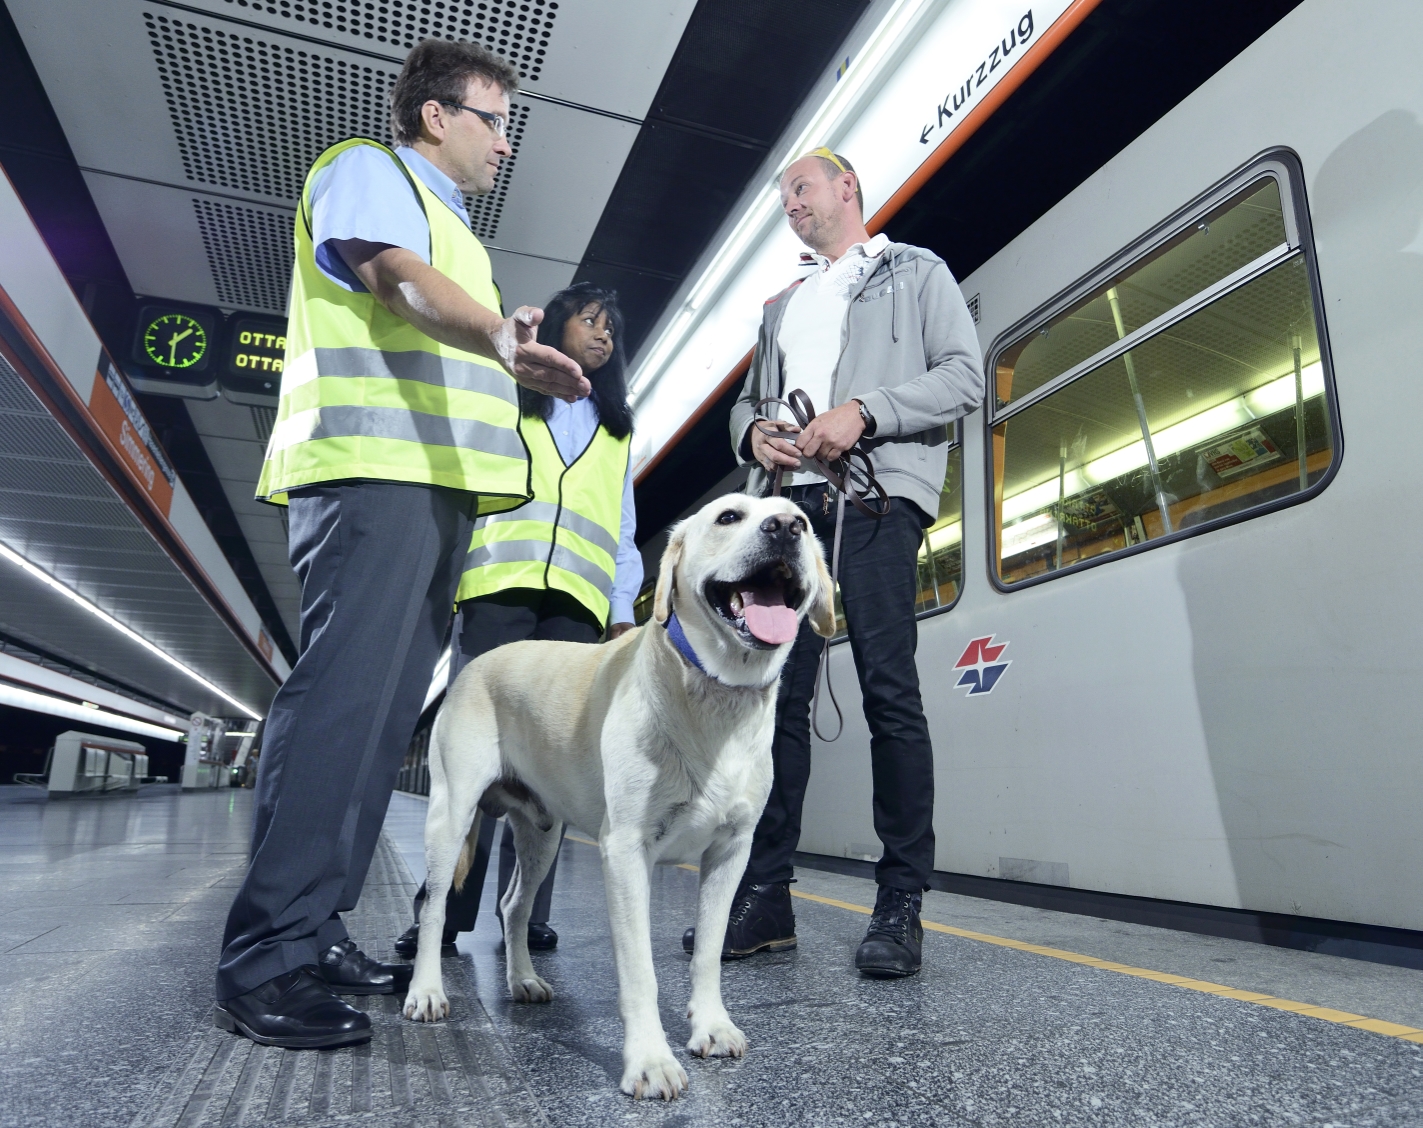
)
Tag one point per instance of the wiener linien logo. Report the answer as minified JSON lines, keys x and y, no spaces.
{"x":982,"y":666}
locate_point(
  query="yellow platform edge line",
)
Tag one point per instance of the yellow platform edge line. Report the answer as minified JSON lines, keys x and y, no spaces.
{"x":1327,"y":1014}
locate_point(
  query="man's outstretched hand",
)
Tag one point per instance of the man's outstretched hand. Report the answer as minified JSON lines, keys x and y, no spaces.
{"x":539,"y":367}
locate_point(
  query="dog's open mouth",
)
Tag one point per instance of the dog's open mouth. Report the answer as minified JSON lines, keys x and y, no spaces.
{"x":762,"y":606}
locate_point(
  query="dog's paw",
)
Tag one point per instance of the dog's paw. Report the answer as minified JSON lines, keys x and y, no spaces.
{"x":426,"y":1004}
{"x":530,"y":989}
{"x":655,"y":1075}
{"x":717,"y":1039}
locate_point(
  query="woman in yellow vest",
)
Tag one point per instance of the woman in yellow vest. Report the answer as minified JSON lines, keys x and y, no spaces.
{"x":563,"y":565}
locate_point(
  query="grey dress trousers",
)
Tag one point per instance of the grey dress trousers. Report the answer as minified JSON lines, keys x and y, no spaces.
{"x":379,"y":564}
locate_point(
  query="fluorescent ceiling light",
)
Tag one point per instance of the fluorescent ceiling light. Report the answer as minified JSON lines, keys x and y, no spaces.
{"x":69,"y":593}
{"x":58,"y":707}
{"x":1276,"y":395}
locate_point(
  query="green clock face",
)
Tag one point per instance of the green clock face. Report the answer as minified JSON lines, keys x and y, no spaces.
{"x":175,"y":340}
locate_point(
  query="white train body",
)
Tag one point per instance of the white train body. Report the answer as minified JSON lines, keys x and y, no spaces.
{"x":1235,"y":718}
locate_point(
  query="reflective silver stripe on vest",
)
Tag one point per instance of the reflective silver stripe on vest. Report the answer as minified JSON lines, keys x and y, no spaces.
{"x":369,"y":422}
{"x":547,"y":512}
{"x":425,"y":367}
{"x":536,"y":552}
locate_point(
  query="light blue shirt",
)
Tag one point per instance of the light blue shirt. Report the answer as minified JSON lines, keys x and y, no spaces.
{"x":362,"y":195}
{"x":573,"y":426}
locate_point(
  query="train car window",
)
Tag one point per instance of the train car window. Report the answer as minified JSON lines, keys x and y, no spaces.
{"x":1209,"y":399}
{"x":941,"y":554}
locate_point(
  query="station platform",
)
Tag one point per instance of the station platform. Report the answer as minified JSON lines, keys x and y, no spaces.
{"x":111,"y":913}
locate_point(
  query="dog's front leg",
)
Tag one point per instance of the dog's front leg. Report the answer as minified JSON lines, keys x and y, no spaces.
{"x":649,"y":1068}
{"x":713,"y":1032}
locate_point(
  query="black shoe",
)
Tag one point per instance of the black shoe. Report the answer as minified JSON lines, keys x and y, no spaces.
{"x":349,"y":971}
{"x":542,"y":938}
{"x":893,"y":946}
{"x":761,"y":921}
{"x":408,"y":942}
{"x":297,"y":1010}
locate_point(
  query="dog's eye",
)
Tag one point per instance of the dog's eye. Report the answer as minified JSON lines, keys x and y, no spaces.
{"x":728,"y":517}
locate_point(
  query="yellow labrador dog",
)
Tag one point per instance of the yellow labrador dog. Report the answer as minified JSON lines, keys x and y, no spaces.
{"x":658,"y":745}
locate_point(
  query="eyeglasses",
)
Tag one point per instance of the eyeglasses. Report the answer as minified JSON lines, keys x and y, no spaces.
{"x":495,"y":122}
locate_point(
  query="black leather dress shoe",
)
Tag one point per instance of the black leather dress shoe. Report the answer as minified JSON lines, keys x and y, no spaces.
{"x":297,"y":1010}
{"x":761,"y":920}
{"x":349,"y":971}
{"x":542,"y":938}
{"x":408,"y":943}
{"x":893,"y":946}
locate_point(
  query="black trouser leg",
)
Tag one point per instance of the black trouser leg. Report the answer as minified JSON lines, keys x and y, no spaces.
{"x":379,"y":562}
{"x":878,"y":581}
{"x":481,"y":625}
{"x":878,"y":585}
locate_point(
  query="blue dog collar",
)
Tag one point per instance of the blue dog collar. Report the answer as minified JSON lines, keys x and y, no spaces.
{"x":683,"y":645}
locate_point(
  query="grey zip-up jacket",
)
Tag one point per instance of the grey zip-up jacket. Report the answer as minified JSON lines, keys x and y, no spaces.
{"x":908,"y":352}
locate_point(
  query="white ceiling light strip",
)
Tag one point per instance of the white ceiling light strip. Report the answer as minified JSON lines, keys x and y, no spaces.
{"x":7,"y":553}
{"x":58,"y":707}
{"x":898,"y":100}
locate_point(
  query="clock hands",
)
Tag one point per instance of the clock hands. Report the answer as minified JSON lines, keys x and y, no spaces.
{"x":173,"y":346}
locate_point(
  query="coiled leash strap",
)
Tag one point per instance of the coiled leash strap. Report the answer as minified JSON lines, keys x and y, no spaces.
{"x":851,"y":475}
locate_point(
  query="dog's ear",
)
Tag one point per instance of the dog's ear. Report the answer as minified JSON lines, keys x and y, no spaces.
{"x":822,"y":611}
{"x":667,"y":574}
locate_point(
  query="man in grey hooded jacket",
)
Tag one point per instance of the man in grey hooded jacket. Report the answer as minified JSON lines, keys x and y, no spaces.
{"x":879,"y":337}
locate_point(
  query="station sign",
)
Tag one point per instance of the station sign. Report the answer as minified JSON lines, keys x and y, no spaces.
{"x":118,"y":416}
{"x":251,"y":369}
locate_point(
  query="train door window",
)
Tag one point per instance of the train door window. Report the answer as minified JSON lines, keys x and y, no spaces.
{"x":941,"y":555}
{"x":1181,"y":387}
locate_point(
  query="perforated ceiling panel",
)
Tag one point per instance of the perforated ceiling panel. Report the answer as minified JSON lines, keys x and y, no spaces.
{"x":249,"y":251}
{"x":252,"y":115}
{"x":486,"y":211}
{"x":518,"y":30}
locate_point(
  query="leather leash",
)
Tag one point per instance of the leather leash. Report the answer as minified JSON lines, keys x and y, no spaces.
{"x":849,"y":480}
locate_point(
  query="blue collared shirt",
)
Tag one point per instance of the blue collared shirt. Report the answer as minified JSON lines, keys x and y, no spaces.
{"x":361,"y":195}
{"x":573,"y":425}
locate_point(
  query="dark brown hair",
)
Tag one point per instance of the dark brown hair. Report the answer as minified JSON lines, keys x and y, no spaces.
{"x":438,"y":70}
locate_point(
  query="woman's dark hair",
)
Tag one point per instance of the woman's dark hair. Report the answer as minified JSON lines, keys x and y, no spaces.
{"x":610,"y":393}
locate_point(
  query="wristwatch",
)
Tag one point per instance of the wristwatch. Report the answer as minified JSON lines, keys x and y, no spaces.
{"x":867,"y":418}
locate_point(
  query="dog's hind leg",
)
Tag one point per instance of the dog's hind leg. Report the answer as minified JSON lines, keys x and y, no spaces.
{"x":534,"y":850}
{"x":463,"y":764}
{"x":713,"y":1032}
{"x":649,"y":1068}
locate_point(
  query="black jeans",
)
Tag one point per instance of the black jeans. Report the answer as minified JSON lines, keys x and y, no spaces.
{"x":878,"y":586}
{"x":379,"y":563}
{"x":483,"y":624}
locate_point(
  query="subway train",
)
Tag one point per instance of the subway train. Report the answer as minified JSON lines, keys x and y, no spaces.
{"x":1169,"y":642}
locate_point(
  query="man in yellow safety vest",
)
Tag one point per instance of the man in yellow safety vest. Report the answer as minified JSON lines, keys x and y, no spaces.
{"x":398,"y":425}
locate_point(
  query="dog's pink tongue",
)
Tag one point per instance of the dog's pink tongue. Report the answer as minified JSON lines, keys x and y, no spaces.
{"x":768,"y":618}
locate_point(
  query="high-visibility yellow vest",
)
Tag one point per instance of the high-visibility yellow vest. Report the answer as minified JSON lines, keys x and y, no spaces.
{"x":367,"y":395}
{"x":566,"y":538}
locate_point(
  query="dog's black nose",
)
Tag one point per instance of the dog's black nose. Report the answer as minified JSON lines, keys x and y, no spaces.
{"x":782,"y":527}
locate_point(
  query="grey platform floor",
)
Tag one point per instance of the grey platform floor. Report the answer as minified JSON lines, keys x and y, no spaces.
{"x":111,"y":914}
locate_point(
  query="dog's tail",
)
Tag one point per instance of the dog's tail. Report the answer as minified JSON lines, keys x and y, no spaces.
{"x":466,"y":858}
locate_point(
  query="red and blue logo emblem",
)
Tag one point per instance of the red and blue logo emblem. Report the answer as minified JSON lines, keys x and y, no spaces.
{"x":983,"y":666}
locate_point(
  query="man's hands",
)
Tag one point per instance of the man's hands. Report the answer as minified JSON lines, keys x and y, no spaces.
{"x":771,"y":452}
{"x":440,"y":308}
{"x":537,"y":366}
{"x":831,"y":433}
{"x":617,"y":630}
{"x":828,"y":436}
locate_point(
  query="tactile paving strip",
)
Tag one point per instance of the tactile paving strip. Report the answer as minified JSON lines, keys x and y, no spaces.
{"x":457,"y":1072}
